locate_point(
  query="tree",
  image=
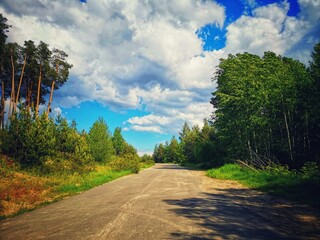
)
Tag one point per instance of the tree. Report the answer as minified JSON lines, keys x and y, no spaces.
{"x":263,"y":108}
{"x":100,"y":143}
{"x":4,"y":28}
{"x":30,"y":141}
{"x":118,"y":141}
{"x":314,"y":71}
{"x":43,"y":57}
{"x":174,"y":153}
{"x":60,"y":68}
{"x":158,"y":153}
{"x":30,"y":82}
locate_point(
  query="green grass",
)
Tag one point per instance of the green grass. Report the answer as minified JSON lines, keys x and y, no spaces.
{"x":287,"y":184}
{"x":71,"y":185}
{"x":146,"y":165}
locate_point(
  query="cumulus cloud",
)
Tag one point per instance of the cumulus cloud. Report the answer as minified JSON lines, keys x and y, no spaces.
{"x":129,"y":54}
{"x":125,"y":53}
{"x":154,"y":129}
{"x":270,"y":29}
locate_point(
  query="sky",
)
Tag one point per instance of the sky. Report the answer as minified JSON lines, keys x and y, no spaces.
{"x":147,"y":66}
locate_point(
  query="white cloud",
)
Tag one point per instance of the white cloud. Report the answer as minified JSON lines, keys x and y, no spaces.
{"x":128,"y":53}
{"x":150,"y":119}
{"x":139,"y":128}
{"x":109,"y":44}
{"x":269,"y":29}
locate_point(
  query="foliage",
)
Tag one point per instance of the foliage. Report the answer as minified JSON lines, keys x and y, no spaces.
{"x":158,"y":153}
{"x":266,"y":108}
{"x":197,"y":146}
{"x":30,"y":141}
{"x":41,"y":142}
{"x":126,"y":162}
{"x":293,"y":185}
{"x":100,"y":143}
{"x":265,"y":105}
{"x":146,"y":160}
{"x":311,"y":171}
{"x":118,"y":141}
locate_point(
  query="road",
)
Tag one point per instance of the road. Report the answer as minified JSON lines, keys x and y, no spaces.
{"x":166,"y":202}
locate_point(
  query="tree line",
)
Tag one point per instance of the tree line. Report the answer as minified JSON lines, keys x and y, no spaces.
{"x":267,"y":109}
{"x":29,"y":75}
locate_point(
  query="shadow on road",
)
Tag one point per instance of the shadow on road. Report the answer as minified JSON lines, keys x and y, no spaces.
{"x":171,"y":166}
{"x":241,"y":214}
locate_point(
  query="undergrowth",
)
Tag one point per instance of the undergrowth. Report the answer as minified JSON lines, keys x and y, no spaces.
{"x":301,"y":186}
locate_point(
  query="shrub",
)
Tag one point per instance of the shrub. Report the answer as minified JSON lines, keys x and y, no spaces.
{"x":311,"y":171}
{"x":100,"y":143}
{"x":30,"y":141}
{"x":126,"y":162}
{"x":147,"y":160}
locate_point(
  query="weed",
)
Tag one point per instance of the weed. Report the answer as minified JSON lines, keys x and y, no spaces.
{"x":296,"y":186}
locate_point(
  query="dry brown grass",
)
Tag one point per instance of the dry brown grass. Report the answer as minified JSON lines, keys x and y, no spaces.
{"x":20,"y":191}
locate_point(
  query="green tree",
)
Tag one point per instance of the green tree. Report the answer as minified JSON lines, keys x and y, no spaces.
{"x":174,"y":153}
{"x":158,"y":153}
{"x":262,"y":107}
{"x":59,"y":73}
{"x":30,"y":141}
{"x":314,"y":131}
{"x":118,"y":141}
{"x":100,"y":143}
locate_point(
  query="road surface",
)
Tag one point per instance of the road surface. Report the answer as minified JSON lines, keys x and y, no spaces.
{"x":166,"y":202}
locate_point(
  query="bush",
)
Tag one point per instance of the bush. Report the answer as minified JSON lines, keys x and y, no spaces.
{"x":147,"y":160}
{"x":311,"y":171}
{"x":100,"y":143}
{"x":126,"y":162}
{"x":30,"y":141}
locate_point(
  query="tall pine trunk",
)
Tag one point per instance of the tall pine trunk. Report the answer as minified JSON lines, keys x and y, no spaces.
{"x":20,"y":82}
{"x":3,"y":105}
{"x":12,"y":100}
{"x":38,"y":94}
{"x":28,"y":96}
{"x":51,"y":92}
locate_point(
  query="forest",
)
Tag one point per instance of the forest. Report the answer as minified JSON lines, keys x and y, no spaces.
{"x":266,"y":112}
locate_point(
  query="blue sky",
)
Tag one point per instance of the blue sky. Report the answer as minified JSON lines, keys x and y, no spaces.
{"x":147,"y":67}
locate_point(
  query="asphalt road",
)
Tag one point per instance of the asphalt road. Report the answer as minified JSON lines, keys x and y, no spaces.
{"x":166,"y":202}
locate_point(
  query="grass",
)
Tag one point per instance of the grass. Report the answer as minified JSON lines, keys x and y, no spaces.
{"x":146,"y":165}
{"x":286,"y":184}
{"x":22,"y":191}
{"x":72,"y":184}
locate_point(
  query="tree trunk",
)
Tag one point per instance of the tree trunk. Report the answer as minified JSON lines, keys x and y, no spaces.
{"x":28,"y":96}
{"x":11,"y":107}
{"x":3,"y":106}
{"x":51,"y":92}
{"x":20,"y":82}
{"x":288,"y":135}
{"x":38,"y":94}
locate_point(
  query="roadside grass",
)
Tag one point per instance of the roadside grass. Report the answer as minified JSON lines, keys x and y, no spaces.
{"x":24,"y":190}
{"x":291,"y":185}
{"x":146,"y":165}
{"x":76,"y":183}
